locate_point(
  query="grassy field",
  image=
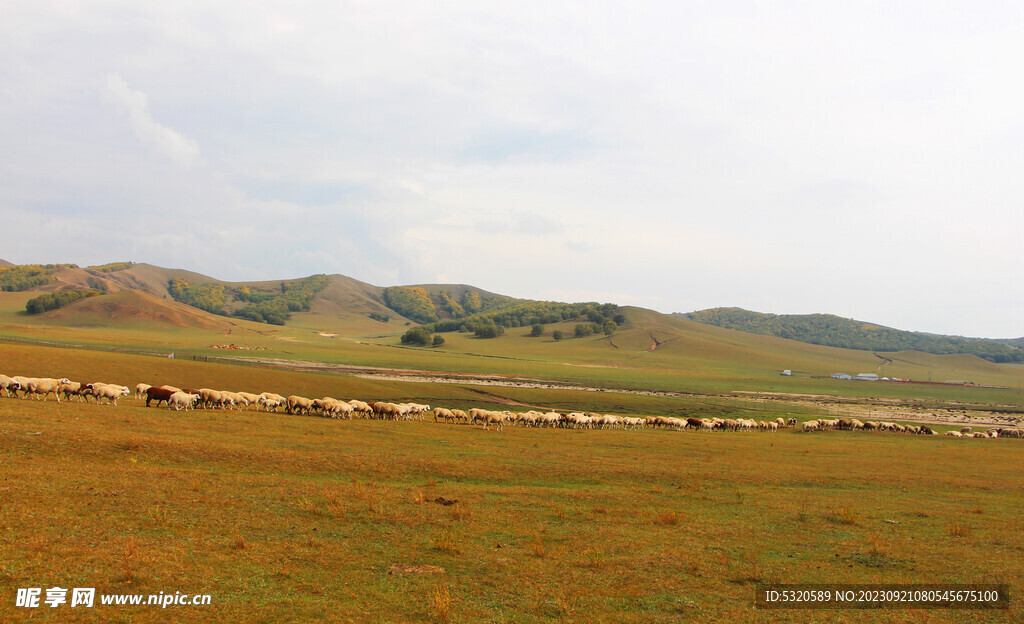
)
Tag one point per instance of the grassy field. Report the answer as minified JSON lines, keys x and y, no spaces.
{"x":291,"y":519}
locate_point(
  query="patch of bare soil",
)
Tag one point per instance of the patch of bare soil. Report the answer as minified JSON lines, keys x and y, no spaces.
{"x":423,"y":568}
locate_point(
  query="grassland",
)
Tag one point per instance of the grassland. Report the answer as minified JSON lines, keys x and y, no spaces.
{"x":292,"y":519}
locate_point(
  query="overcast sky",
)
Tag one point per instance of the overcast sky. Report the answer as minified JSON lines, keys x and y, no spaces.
{"x":864,"y":159}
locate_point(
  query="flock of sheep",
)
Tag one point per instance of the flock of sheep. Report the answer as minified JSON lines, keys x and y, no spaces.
{"x":852,"y":424}
{"x":46,"y":386}
{"x":186,"y":399}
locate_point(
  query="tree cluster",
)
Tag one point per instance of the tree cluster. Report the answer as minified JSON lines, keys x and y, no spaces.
{"x":112,"y":267}
{"x":411,"y":302}
{"x":451,"y":306}
{"x":24,"y":276}
{"x":274,"y":307}
{"x":509,"y":313}
{"x":488,"y":330}
{"x":52,"y":301}
{"x":209,"y":296}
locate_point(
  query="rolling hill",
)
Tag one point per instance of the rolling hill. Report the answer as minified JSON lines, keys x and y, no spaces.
{"x":348,"y":322}
{"x":835,"y":331}
{"x":133,"y":308}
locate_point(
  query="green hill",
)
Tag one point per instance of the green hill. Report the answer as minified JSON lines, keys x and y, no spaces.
{"x":835,"y":331}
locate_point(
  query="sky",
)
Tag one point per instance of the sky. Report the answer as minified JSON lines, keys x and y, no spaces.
{"x":862,"y":159}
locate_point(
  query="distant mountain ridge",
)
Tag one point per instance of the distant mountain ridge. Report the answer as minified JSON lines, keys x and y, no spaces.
{"x":835,"y":331}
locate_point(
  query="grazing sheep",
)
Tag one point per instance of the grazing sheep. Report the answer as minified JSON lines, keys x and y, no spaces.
{"x":443,"y":414}
{"x":677,"y":424}
{"x":110,"y":392}
{"x":270,"y":396}
{"x":22,"y":384}
{"x":954,"y":434}
{"x":233,"y":399}
{"x":362,"y":408}
{"x":333,"y":408}
{"x":490,"y":418}
{"x":140,"y":390}
{"x":158,"y":395}
{"x":299,"y":405}
{"x":71,"y":389}
{"x":530,"y":419}
{"x":271,"y":405}
{"x":46,"y":386}
{"x":812,"y":425}
{"x":184,"y":400}
{"x":248,"y":399}
{"x":550,"y":419}
{"x":8,"y":384}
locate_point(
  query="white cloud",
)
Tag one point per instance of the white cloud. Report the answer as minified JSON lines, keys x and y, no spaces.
{"x":135,"y":107}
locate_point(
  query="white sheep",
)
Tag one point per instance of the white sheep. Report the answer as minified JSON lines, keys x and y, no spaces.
{"x":110,"y":392}
{"x":45,"y":387}
{"x":8,"y":384}
{"x":183,"y":400}
{"x":267,"y":397}
{"x":299,"y":405}
{"x":249,"y":399}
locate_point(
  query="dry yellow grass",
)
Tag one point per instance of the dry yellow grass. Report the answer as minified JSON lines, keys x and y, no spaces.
{"x":293,"y":519}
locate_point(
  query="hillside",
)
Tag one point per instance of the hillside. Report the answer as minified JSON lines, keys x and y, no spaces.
{"x":834,"y":331}
{"x":346,"y":322}
{"x":133,"y":307}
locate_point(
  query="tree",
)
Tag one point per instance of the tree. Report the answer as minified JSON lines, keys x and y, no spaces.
{"x":471,"y":302}
{"x":489,"y":331}
{"x":557,"y":335}
{"x":417,"y":336}
{"x":609,"y":328}
{"x":584,"y":329}
{"x":537,"y":330}
{"x":438,"y":340}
